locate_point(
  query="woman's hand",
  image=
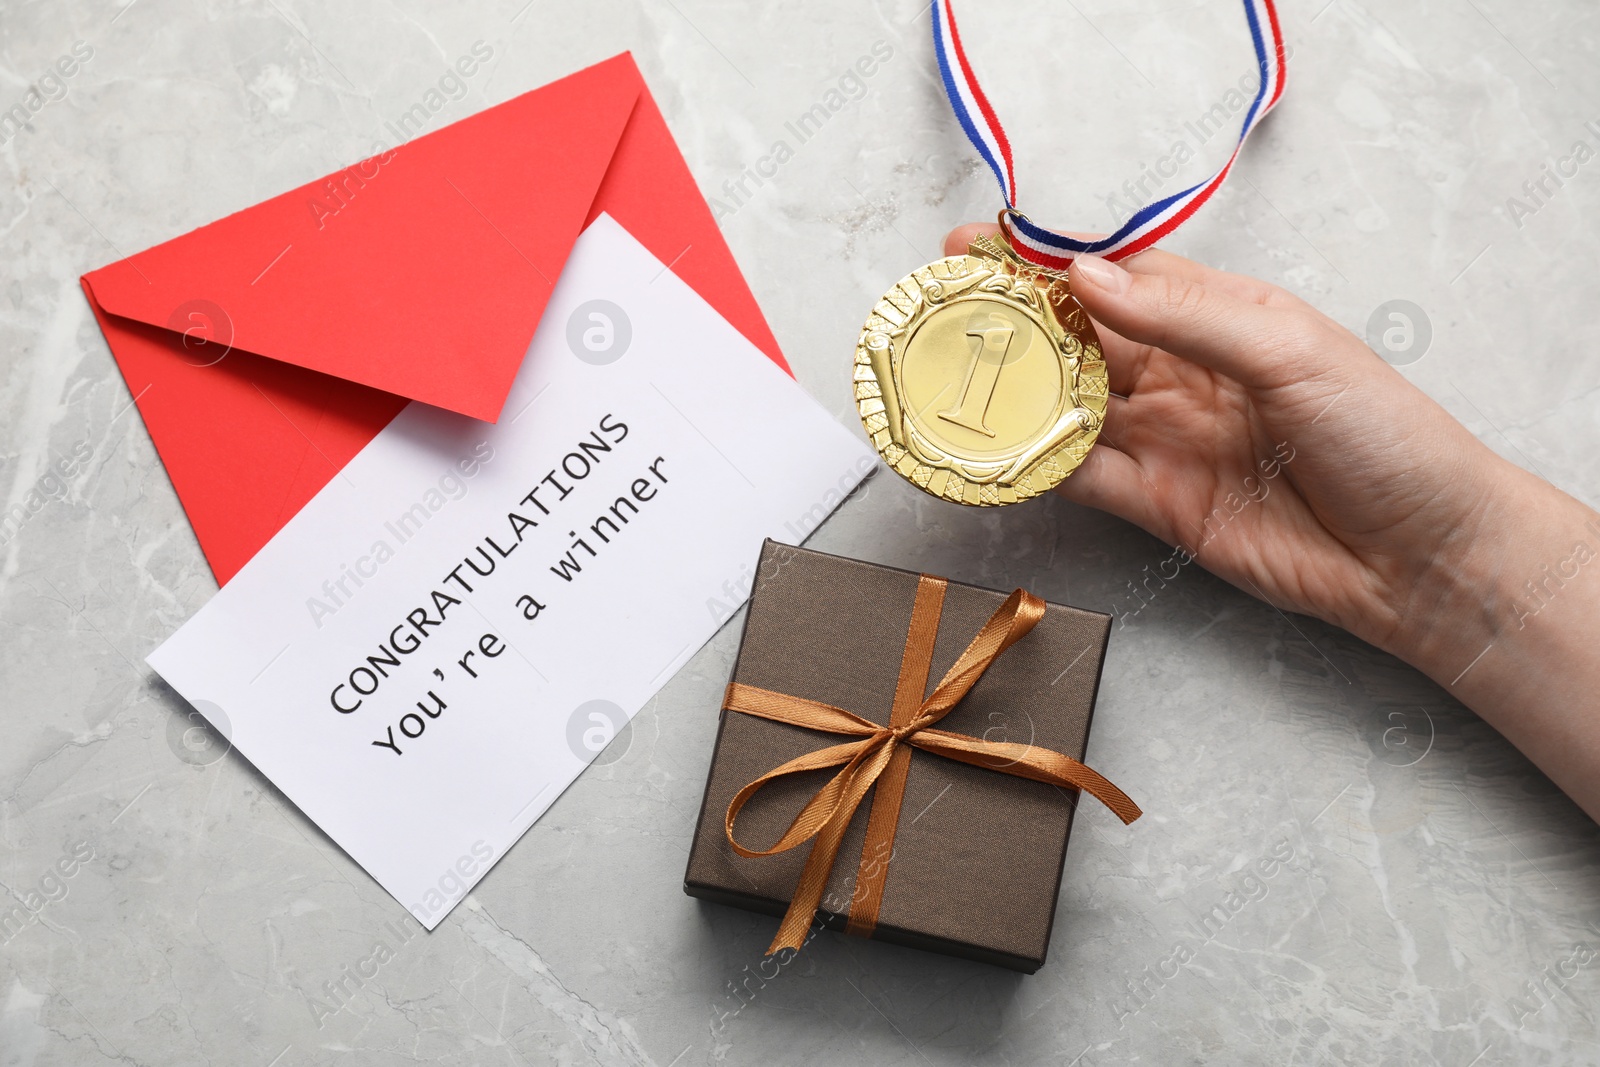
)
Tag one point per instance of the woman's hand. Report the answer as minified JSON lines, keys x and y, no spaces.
{"x":1268,"y":442}
{"x":1278,"y":450}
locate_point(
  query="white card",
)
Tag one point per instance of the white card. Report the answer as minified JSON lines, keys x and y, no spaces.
{"x":645,"y":451}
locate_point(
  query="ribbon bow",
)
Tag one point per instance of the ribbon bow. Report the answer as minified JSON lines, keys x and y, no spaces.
{"x":882,"y":755}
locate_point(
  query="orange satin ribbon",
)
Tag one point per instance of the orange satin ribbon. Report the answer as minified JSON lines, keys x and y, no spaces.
{"x":883,"y":755}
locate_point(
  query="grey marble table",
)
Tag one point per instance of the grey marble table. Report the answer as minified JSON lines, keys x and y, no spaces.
{"x":1432,"y":898}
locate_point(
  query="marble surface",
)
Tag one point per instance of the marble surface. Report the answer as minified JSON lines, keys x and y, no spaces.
{"x":1432,"y":898}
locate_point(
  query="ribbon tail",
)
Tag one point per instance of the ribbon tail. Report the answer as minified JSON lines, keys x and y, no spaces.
{"x":813,"y":880}
{"x":1032,"y":762}
{"x":819,"y":864}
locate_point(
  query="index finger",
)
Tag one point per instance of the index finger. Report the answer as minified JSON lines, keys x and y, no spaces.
{"x":1155,"y":261}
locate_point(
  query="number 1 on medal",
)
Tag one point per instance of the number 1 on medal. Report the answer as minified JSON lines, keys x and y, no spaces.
{"x":982,"y":377}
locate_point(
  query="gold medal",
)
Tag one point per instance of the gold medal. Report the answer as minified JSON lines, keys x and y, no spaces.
{"x":980,"y":379}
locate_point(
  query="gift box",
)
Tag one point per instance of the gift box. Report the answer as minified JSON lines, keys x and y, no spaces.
{"x":900,"y":757}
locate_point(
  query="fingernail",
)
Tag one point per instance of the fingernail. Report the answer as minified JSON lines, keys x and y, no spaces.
{"x":1100,"y":274}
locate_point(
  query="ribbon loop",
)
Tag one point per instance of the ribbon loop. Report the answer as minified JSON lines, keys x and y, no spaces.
{"x":818,"y":810}
{"x":1151,"y":222}
{"x":881,"y":757}
{"x":1011,"y":621}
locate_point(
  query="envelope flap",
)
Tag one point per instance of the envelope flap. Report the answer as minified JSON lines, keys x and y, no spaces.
{"x":421,"y":271}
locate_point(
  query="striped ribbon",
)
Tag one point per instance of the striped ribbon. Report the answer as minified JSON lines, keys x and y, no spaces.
{"x":1150,"y":223}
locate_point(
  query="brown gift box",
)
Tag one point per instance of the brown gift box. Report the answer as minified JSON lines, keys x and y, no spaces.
{"x":977,"y":857}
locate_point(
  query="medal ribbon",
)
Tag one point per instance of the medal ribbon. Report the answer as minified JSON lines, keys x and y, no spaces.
{"x":882,"y":755}
{"x":1150,"y":223}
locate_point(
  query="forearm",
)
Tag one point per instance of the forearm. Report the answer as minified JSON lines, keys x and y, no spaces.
{"x":1509,"y":622}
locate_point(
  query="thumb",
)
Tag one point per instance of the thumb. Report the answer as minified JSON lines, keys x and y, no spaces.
{"x":1254,"y":344}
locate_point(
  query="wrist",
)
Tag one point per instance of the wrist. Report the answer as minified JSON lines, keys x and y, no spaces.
{"x":1514,"y":632}
{"x":1514,"y":554}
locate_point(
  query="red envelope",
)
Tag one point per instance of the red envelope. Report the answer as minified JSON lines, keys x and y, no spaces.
{"x":266,"y":349}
